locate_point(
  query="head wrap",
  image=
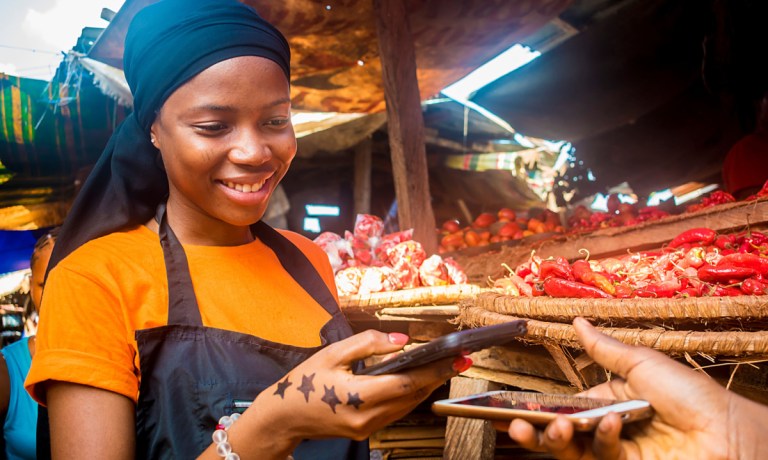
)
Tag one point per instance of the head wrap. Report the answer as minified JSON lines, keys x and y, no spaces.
{"x":167,"y":44}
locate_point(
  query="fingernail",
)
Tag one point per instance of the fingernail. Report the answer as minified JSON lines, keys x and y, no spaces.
{"x":461,"y":364}
{"x":398,"y":338}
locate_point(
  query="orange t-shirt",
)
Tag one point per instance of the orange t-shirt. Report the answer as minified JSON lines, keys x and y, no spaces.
{"x":98,"y":296}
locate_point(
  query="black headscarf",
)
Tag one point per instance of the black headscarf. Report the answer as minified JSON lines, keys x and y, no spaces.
{"x":167,"y":44}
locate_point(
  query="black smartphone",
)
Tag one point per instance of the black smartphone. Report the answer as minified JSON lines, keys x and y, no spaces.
{"x":454,"y":344}
{"x":540,"y":408}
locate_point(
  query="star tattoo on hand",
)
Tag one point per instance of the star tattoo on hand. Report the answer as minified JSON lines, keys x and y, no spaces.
{"x":307,"y":386}
{"x":281,"y":387}
{"x":354,"y":400}
{"x":330,"y":398}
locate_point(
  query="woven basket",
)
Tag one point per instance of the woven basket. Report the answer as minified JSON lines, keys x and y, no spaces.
{"x":743,"y":312}
{"x":673,"y":342}
{"x":437,"y":295}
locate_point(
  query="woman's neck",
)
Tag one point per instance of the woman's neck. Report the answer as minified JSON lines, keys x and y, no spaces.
{"x":202,"y":230}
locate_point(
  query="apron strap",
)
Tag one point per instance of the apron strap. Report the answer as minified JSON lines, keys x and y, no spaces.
{"x":297,"y":265}
{"x":182,"y":303}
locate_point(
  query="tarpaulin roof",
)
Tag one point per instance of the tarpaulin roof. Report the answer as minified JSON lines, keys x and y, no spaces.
{"x":652,"y":92}
{"x":336,"y":65}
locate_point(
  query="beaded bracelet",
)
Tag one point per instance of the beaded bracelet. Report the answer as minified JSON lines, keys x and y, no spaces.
{"x":223,"y":447}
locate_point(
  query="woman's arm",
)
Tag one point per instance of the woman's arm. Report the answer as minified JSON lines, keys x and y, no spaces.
{"x":322,"y":398}
{"x":88,"y":422}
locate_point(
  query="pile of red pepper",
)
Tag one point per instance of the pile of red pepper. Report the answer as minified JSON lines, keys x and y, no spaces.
{"x":698,"y":262}
{"x":713,"y":199}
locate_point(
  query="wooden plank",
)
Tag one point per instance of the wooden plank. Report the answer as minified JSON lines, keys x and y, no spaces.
{"x":405,"y":121}
{"x":522,"y":381}
{"x":564,"y":363}
{"x":362,"y":178}
{"x":467,"y":438}
{"x":428,"y":331}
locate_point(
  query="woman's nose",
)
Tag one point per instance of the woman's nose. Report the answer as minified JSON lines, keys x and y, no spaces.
{"x":251,"y":149}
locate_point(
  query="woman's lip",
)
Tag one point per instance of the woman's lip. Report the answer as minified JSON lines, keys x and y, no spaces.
{"x":247,"y":198}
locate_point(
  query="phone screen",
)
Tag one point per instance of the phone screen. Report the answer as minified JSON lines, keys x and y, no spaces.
{"x":540,"y":408}
{"x":556,"y":404}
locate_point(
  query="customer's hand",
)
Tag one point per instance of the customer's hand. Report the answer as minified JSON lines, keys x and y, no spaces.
{"x":322,"y":398}
{"x":695,"y":417}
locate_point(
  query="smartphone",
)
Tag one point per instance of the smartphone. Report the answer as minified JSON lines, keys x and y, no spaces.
{"x":540,"y":408}
{"x":454,"y":344}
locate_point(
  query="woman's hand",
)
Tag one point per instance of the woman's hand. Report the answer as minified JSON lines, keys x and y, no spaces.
{"x":694,"y":417}
{"x":322,"y":398}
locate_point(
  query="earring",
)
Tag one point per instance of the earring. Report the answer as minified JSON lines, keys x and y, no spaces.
{"x":152,"y":140}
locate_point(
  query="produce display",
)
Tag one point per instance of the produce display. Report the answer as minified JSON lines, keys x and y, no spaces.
{"x":618,"y":215}
{"x":503,"y":225}
{"x":366,"y":261}
{"x":698,"y":262}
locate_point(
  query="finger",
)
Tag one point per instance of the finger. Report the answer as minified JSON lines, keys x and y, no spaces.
{"x":526,"y":435}
{"x":558,"y":439}
{"x":500,"y":425}
{"x":365,"y":344}
{"x":623,"y":359}
{"x":607,"y":390}
{"x":612,"y":354}
{"x":414,"y":384}
{"x":606,"y":444}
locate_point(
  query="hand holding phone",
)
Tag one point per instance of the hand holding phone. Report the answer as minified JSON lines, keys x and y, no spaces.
{"x":540,"y":409}
{"x":454,"y":344}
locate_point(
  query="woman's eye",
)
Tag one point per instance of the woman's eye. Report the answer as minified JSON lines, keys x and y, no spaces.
{"x":210,"y":128}
{"x":278,"y":122}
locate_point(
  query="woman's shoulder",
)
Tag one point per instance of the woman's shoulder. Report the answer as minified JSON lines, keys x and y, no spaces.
{"x":306,"y":245}
{"x":136,"y":243}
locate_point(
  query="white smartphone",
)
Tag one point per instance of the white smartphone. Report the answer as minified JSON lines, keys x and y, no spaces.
{"x":540,"y":408}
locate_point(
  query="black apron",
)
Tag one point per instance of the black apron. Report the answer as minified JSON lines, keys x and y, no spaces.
{"x":192,"y":375}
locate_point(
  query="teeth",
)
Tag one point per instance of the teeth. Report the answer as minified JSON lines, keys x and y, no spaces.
{"x":245,"y":188}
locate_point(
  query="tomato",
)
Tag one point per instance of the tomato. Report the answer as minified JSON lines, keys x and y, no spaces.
{"x":509,"y":229}
{"x":451,"y":226}
{"x":507,"y":214}
{"x":471,"y":238}
{"x":484,"y":220}
{"x":452,"y":240}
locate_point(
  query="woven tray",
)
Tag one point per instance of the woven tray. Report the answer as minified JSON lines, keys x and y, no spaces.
{"x":746,"y":310}
{"x":438,"y":295}
{"x":676,"y":342}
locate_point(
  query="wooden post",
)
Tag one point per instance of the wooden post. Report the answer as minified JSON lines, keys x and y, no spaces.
{"x":362,"y":185}
{"x":405,"y":122}
{"x":467,"y":438}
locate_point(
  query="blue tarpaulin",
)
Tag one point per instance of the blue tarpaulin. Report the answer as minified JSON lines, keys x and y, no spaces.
{"x":16,"y":249}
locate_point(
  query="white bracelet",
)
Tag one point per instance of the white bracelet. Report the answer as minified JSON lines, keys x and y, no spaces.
{"x":223,"y":447}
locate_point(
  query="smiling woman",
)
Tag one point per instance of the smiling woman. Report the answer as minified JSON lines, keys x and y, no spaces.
{"x":170,"y":306}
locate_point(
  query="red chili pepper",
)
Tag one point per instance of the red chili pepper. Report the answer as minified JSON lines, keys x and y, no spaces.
{"x":689,"y":292}
{"x":558,"y":268}
{"x":712,"y":274}
{"x":725,"y":241}
{"x":558,"y":287}
{"x":752,"y":286}
{"x":745,"y":260}
{"x":537,"y":290}
{"x":665,"y":289}
{"x":623,"y":291}
{"x":724,"y":291}
{"x":701,"y":236}
{"x":583,"y":272}
{"x":524,"y":288}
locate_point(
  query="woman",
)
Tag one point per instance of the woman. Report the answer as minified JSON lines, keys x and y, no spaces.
{"x":164,"y":315}
{"x":18,"y":410}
